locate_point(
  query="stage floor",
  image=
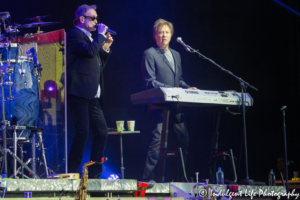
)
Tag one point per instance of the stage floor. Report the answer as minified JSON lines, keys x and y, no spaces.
{"x":115,"y":189}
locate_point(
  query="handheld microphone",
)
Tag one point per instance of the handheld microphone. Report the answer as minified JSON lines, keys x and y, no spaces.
{"x":111,"y":32}
{"x":107,"y":30}
{"x":183,"y":44}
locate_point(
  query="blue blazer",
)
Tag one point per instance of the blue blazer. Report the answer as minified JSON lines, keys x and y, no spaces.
{"x":85,"y":62}
{"x":157,"y":71}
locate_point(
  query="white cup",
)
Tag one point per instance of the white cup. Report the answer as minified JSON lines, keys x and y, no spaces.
{"x":130,"y":125}
{"x":120,"y":125}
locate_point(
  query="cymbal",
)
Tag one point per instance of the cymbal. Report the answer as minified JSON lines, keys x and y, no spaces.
{"x":37,"y":18}
{"x":37,"y":24}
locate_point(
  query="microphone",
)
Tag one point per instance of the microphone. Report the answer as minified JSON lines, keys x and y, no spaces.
{"x":111,"y":32}
{"x":283,"y":108}
{"x":183,"y":44}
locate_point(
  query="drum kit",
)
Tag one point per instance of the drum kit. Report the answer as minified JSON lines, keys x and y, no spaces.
{"x":19,"y":84}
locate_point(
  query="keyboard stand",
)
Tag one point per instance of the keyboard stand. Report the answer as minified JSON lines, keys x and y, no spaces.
{"x":164,"y":139}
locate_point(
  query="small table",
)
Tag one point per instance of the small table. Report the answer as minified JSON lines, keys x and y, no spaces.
{"x":121,"y":146}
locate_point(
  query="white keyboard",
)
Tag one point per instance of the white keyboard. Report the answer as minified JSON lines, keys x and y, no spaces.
{"x":177,"y":95}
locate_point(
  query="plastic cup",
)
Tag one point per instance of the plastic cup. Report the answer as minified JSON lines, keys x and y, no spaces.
{"x":120,"y":125}
{"x":130,"y":125}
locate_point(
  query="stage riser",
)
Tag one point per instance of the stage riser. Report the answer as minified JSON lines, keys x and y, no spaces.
{"x":57,"y":185}
{"x":115,"y":189}
{"x":104,"y":198}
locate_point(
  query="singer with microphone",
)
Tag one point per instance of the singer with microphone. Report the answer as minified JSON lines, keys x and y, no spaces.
{"x":161,"y":67}
{"x":86,"y":59}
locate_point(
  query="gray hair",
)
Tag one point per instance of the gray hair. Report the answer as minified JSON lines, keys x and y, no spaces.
{"x":81,"y":10}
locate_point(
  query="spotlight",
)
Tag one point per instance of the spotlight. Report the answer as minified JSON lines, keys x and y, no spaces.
{"x":50,"y":88}
{"x":113,"y":177}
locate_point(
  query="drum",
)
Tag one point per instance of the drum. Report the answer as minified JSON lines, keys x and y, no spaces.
{"x":4,"y":53}
{"x":23,"y":110}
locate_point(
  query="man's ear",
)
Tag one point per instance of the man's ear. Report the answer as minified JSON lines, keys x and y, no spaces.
{"x":81,"y":19}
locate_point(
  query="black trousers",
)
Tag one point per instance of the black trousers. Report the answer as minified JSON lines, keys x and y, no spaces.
{"x":87,"y":113}
{"x":177,"y":128}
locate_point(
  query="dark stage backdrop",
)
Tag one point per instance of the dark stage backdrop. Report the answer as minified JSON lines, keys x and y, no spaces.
{"x":257,"y":40}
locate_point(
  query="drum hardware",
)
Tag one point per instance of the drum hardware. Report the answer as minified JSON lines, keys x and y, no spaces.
{"x":22,"y":74}
{"x":4,"y":15}
{"x":29,"y":35}
{"x":38,"y":25}
{"x":9,"y":98}
{"x":9,"y":50}
{"x":19,"y":170}
{"x":37,"y":18}
{"x":34,"y":144}
{"x":21,"y":162}
{"x":31,"y":160}
{"x":8,"y":33}
{"x":6,"y":122}
{"x":37,"y":66}
{"x":24,"y":48}
{"x":13,"y":61}
{"x":9,"y":70}
{"x":20,"y":59}
{"x":8,"y":83}
{"x":22,"y":71}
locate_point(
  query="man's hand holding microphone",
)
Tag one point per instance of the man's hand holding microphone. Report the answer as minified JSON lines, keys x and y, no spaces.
{"x":102,"y":29}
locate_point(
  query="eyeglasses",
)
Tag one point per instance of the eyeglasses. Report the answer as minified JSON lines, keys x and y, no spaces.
{"x":91,"y":18}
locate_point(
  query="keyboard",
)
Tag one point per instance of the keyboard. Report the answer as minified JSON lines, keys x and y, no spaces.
{"x":190,"y":97}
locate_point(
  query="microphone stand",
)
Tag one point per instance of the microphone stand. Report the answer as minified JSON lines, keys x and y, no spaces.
{"x":285,"y":150}
{"x":243,"y":85}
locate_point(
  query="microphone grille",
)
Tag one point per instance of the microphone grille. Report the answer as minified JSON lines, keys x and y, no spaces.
{"x":179,"y":39}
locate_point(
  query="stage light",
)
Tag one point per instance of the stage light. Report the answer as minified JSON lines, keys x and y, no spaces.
{"x":113,"y":177}
{"x":50,"y":88}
